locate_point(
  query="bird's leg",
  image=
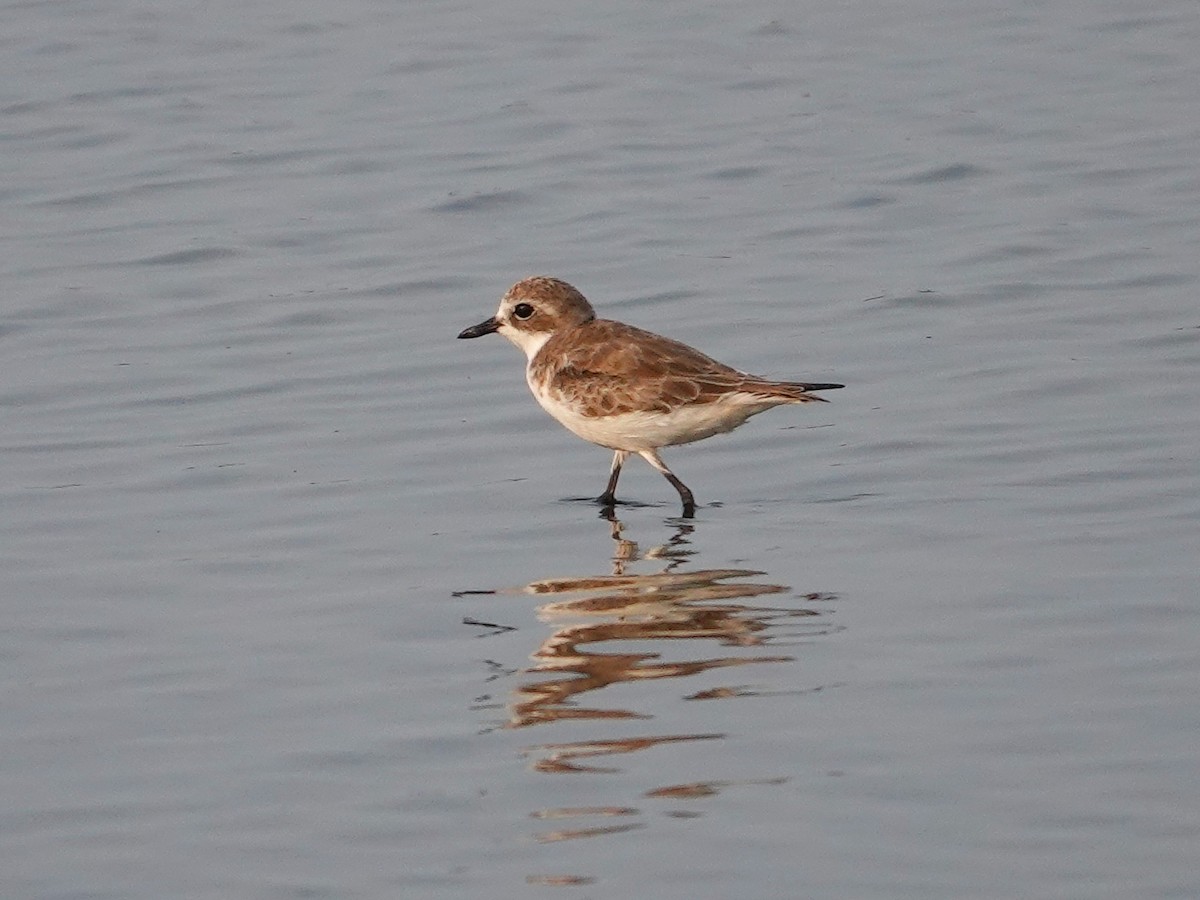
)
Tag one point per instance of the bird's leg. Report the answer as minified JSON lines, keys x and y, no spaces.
{"x":689,"y":502}
{"x":609,"y":497}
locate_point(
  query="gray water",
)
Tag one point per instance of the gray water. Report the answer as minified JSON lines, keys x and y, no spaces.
{"x":299,"y":599}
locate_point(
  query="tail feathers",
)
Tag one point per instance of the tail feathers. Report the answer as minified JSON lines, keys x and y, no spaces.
{"x":814,"y":387}
{"x":789,"y":391}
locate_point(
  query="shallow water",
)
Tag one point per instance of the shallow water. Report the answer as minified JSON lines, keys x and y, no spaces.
{"x":299,"y":596}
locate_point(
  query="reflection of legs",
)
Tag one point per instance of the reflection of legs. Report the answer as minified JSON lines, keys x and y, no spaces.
{"x":609,"y":497}
{"x":689,"y":502}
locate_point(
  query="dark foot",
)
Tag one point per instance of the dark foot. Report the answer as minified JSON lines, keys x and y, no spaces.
{"x":685,"y":494}
{"x":607,"y":499}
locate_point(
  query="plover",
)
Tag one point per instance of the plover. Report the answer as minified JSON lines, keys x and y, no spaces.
{"x":623,"y":388}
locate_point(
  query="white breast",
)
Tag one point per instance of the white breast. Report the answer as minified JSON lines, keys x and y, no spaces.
{"x":651,"y":429}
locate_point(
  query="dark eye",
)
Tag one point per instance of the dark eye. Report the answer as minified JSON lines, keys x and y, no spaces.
{"x":522,"y":310}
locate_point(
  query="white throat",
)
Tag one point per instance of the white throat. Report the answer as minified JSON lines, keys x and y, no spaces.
{"x":529,"y":341}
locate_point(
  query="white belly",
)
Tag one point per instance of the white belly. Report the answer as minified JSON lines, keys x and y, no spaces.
{"x":638,"y":431}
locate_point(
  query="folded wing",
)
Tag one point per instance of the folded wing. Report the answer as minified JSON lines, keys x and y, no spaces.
{"x":621,"y":369}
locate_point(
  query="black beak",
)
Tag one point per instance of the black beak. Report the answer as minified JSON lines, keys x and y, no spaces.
{"x":481,"y":329}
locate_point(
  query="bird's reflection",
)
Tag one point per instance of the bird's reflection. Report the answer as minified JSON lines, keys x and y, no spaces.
{"x":614,"y":629}
{"x":671,"y":605}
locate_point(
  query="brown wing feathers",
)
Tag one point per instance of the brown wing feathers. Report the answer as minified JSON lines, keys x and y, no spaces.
{"x":620,"y":367}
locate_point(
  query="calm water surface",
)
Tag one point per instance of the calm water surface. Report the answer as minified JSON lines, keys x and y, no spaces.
{"x":299,"y":599}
